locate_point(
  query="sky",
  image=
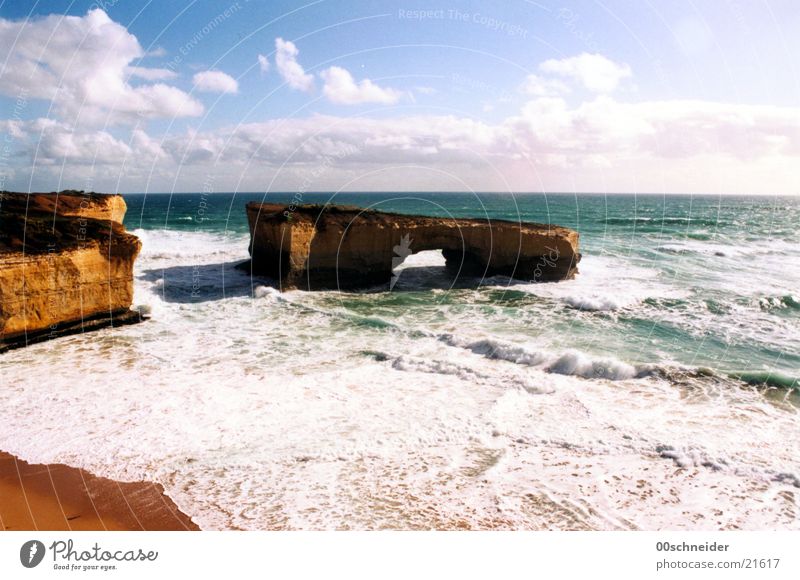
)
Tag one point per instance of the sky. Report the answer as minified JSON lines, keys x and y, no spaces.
{"x":244,"y":95}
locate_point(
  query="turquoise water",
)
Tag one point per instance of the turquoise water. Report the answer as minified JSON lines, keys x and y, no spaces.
{"x":694,"y":281}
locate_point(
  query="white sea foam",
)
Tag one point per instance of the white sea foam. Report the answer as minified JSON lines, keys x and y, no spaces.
{"x":469,"y":371}
{"x":182,"y":247}
{"x":264,"y":411}
{"x":571,"y":362}
{"x":594,"y":303}
{"x":779,"y":302}
{"x":267,"y":292}
{"x":498,"y":349}
{"x":606,"y":284}
{"x":579,"y":364}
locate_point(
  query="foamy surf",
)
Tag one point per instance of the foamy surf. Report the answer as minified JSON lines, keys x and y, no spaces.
{"x":571,"y":362}
{"x":490,"y":405}
{"x":606,"y":283}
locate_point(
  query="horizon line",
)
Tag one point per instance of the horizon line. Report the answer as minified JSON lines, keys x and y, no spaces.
{"x":476,"y":192}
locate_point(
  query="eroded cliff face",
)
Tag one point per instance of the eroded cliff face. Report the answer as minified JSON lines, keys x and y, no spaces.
{"x":313,"y":246}
{"x":66,"y":265}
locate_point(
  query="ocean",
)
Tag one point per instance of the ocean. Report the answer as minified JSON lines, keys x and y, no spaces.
{"x":659,"y":389}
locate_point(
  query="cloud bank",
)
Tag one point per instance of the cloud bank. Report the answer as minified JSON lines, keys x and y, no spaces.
{"x":102,"y":97}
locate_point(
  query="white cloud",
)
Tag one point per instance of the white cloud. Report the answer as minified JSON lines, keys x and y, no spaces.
{"x":340,"y":88}
{"x":157,"y":51}
{"x":263,"y":63}
{"x":151,"y":74}
{"x":57,"y":143}
{"x":288,"y":67}
{"x":82,"y":64}
{"x":651,"y":146}
{"x":542,"y":87}
{"x":603,"y":127}
{"x":145,"y":147}
{"x":215,"y":81}
{"x":85,"y":67}
{"x":728,"y":140}
{"x":14,"y":128}
{"x":594,"y":71}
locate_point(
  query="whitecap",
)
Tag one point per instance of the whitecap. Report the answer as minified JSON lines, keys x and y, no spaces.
{"x":571,"y":362}
{"x":593,"y":303}
{"x":579,"y":364}
{"x":266,"y":292}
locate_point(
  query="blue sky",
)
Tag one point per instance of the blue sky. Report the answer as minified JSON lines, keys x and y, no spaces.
{"x":590,"y":96}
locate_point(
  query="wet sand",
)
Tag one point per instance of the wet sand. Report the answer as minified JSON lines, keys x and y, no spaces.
{"x":61,"y":498}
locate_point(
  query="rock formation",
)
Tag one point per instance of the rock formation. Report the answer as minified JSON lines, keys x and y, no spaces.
{"x":66,"y":265}
{"x":313,"y":246}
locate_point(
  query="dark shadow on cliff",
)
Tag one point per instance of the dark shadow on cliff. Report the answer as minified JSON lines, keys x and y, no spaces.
{"x":210,"y":282}
{"x":428,"y":271}
{"x":431,"y":278}
{"x":442,"y":278}
{"x":204,"y":283}
{"x":458,"y":275}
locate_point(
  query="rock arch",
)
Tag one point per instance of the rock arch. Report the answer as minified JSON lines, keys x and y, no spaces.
{"x":317,"y":247}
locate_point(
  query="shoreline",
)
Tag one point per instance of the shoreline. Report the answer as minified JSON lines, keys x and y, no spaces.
{"x":56,"y":497}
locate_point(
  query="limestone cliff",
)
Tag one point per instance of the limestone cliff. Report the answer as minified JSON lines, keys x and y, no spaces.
{"x":66,"y":265}
{"x":312,"y":246}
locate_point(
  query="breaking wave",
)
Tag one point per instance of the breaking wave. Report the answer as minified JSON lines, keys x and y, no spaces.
{"x":571,"y":362}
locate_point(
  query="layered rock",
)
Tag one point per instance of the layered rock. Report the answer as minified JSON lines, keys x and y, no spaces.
{"x":66,"y":265}
{"x":313,"y":246}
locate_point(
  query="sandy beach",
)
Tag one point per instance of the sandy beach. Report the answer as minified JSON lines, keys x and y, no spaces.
{"x":61,"y":498}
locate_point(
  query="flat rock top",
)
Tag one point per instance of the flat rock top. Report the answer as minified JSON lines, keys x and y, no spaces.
{"x":343,"y":215}
{"x":67,"y":202}
{"x":40,"y":222}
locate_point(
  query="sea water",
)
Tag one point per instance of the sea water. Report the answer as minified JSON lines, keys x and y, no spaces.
{"x":656,"y":390}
